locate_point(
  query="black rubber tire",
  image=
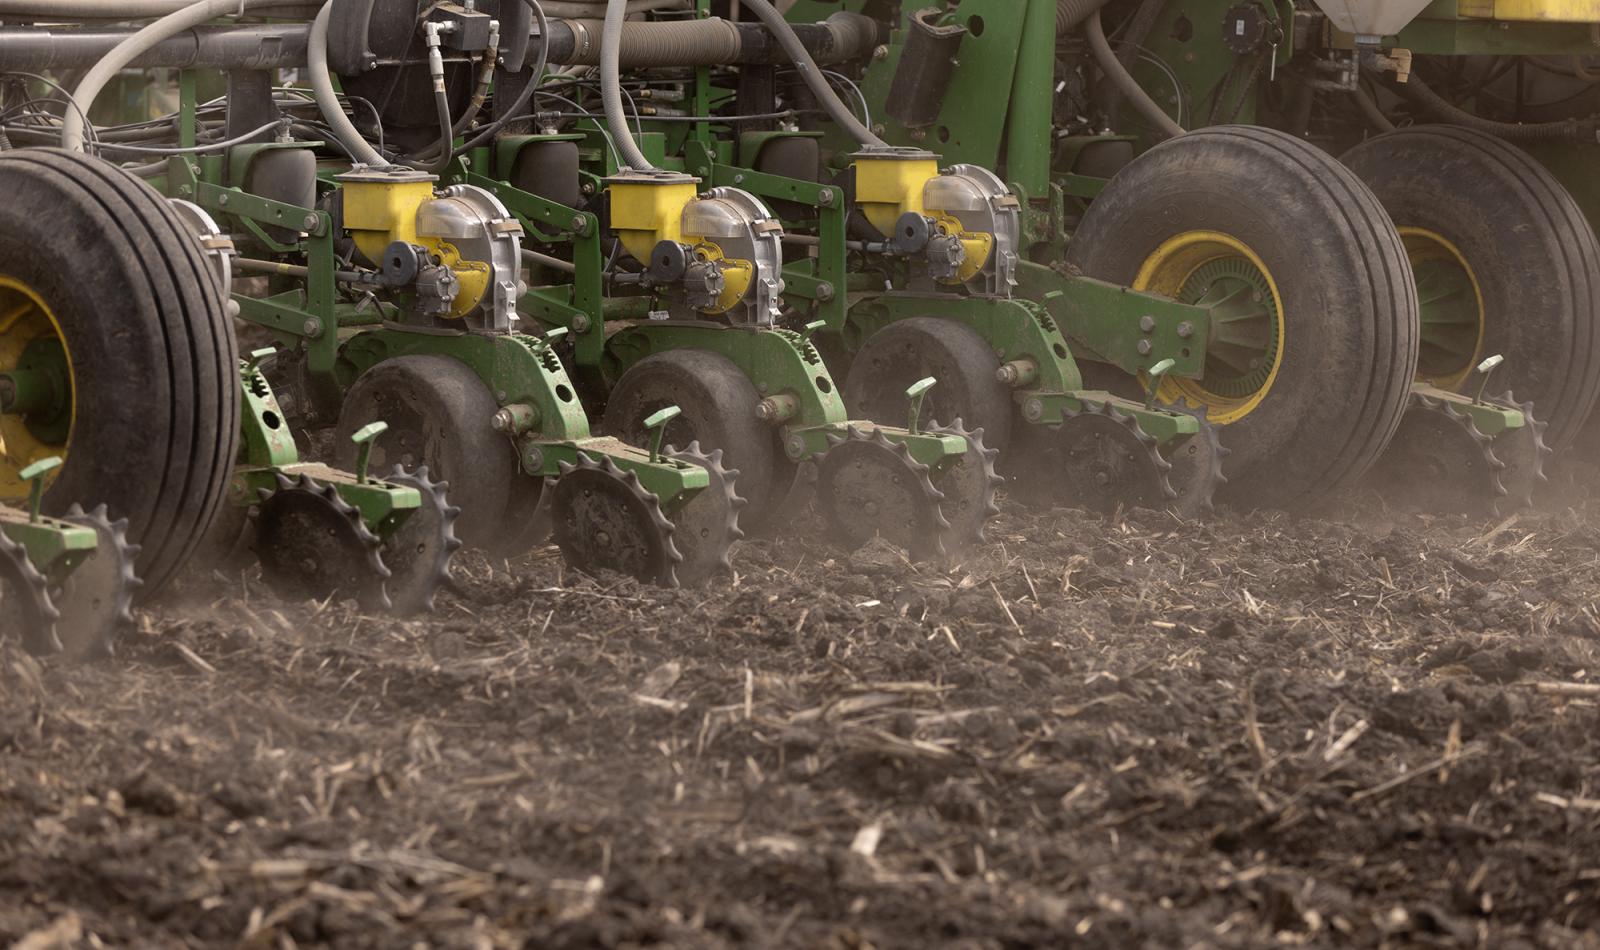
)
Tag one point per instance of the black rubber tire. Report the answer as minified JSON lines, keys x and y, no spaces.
{"x":1535,"y":256}
{"x":439,"y":413}
{"x":955,"y":354}
{"x":719,"y":411}
{"x":154,"y":359}
{"x":1349,"y":300}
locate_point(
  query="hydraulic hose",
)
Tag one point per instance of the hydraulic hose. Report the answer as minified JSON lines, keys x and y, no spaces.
{"x":1369,"y":110}
{"x":611,"y":87}
{"x":192,"y":15}
{"x":814,"y":80}
{"x":328,"y":100}
{"x":523,"y":98}
{"x":1124,"y":81}
{"x":1566,"y":130}
{"x":1070,"y":14}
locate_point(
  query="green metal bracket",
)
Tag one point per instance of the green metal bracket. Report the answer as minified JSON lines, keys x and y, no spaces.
{"x":1491,"y":420}
{"x":54,"y":547}
{"x":1126,"y":328}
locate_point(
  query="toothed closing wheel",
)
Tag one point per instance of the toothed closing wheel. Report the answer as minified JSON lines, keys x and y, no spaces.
{"x":604,"y":519}
{"x":1439,"y":461}
{"x":418,"y":552}
{"x":25,"y":607}
{"x":708,"y":524}
{"x":312,"y":543}
{"x":96,"y":599}
{"x":1524,"y":453}
{"x":968,"y":485}
{"x":1196,"y":468}
{"x":1101,"y":459}
{"x":868,"y":486}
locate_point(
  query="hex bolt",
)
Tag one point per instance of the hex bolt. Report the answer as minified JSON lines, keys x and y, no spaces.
{"x":825,"y":291}
{"x":310,"y":223}
{"x":775,"y":409}
{"x":880,"y":53}
{"x":223,"y":199}
{"x":1144,"y":347}
{"x":795,"y":446}
{"x":515,"y":419}
{"x":1185,"y":330}
{"x":581,"y":323}
{"x":825,"y":199}
{"x":533,"y":460}
{"x":580,"y":224}
{"x":312,"y":327}
{"x":1147,"y":324}
{"x":1017,"y":373}
{"x":1033,"y":410}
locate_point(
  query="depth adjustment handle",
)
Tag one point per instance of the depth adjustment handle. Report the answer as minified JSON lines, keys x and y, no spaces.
{"x":364,"y":437}
{"x":34,"y":475}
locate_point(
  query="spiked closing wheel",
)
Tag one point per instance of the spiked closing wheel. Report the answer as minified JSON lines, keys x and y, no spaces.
{"x":968,"y":485}
{"x":868,"y":486}
{"x":1099,"y":459}
{"x":25,"y":601}
{"x":708,"y":524}
{"x":604,"y":519}
{"x":1524,"y":453}
{"x":312,"y":543}
{"x":1438,"y":461}
{"x":1196,"y":469}
{"x":418,"y":552}
{"x":96,"y":599}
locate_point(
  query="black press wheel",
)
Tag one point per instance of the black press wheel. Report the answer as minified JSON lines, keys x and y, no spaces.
{"x":1314,"y":333}
{"x":954,"y":354}
{"x":719,"y":411}
{"x":1505,"y":263}
{"x":114,"y":326}
{"x":439,"y":414}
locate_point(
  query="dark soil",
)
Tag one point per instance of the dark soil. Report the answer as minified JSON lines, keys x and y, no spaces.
{"x":1124,"y":732}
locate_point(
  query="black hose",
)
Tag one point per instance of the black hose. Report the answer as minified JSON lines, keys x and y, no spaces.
{"x":1567,"y":130}
{"x":488,"y":132}
{"x":814,"y":79}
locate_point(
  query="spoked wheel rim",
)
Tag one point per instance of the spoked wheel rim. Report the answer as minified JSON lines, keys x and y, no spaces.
{"x":1451,"y":305}
{"x":33,"y":352}
{"x":1245,"y":351}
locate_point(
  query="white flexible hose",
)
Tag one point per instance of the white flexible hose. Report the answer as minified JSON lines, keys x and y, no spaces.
{"x":611,"y":87}
{"x":328,"y":100}
{"x":110,"y":9}
{"x":191,"y":16}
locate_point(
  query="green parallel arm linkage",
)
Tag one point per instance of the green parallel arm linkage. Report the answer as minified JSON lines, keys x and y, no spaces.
{"x":54,"y":547}
{"x":310,"y":314}
{"x":797,"y":391}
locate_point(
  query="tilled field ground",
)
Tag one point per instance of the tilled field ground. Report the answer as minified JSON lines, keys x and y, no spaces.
{"x":1099,"y":732}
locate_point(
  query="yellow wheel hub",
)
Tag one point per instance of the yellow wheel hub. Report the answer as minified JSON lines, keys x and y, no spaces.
{"x":1245,"y":349}
{"x":31,"y":339}
{"x":1451,"y":304}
